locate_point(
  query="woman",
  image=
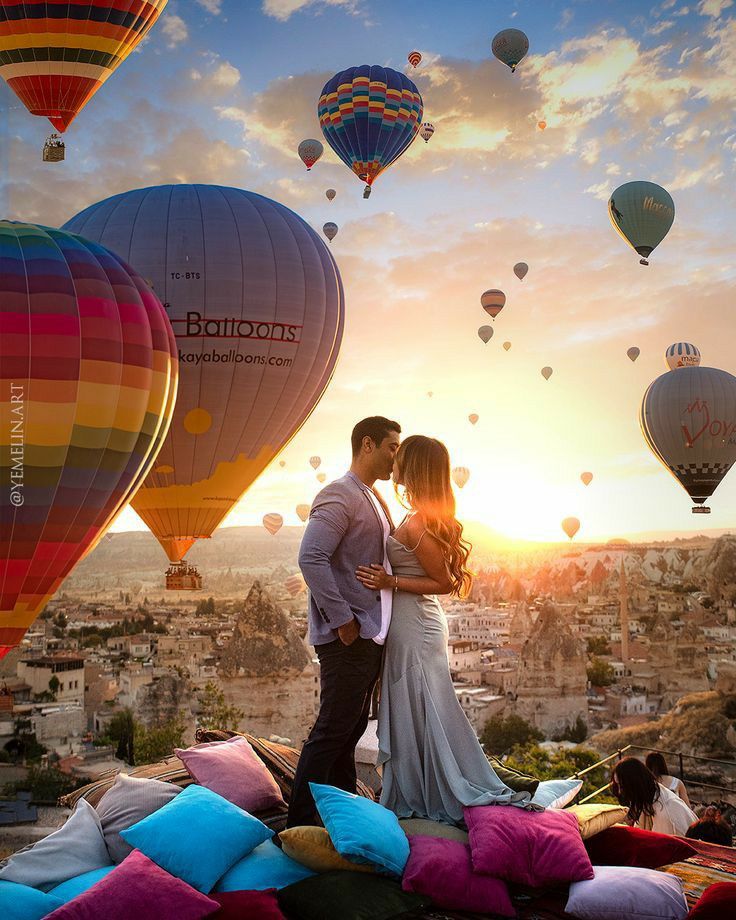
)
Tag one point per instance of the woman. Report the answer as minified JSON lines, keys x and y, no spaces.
{"x":652,"y":807}
{"x":711,"y":828}
{"x":658,"y":765}
{"x":432,"y":762}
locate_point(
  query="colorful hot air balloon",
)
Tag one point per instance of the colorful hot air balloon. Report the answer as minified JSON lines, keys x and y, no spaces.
{"x":681,"y":354}
{"x":510,"y":46}
{"x":633,"y":353}
{"x":369,"y":116}
{"x":587,"y":478}
{"x":642,"y":213}
{"x":473,"y":418}
{"x":88,"y":366}
{"x":485,"y":333}
{"x":571,"y":525}
{"x":460,"y":475}
{"x":321,"y":477}
{"x":330,"y":230}
{"x":302,"y":512}
{"x":273,"y":523}
{"x":426,"y":131}
{"x":330,"y":194}
{"x":315,"y":462}
{"x":256,"y":302}
{"x":689,"y":422}
{"x":546,"y":372}
{"x":414,"y":58}
{"x":295,"y":584}
{"x":506,"y":346}
{"x":541,"y":125}
{"x":492,"y":302}
{"x":310,"y":151}
{"x":520,"y":270}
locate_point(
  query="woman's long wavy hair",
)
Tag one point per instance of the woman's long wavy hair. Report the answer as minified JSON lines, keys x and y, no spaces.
{"x":635,"y":786}
{"x":423,"y":466}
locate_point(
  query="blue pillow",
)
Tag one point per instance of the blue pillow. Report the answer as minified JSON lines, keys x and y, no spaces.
{"x":362,"y":830}
{"x":73,"y":887}
{"x":556,"y":793}
{"x":266,"y":867}
{"x":21,"y":902}
{"x":197,"y":836}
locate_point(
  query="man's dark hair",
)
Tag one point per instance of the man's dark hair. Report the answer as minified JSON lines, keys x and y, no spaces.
{"x":376,"y":428}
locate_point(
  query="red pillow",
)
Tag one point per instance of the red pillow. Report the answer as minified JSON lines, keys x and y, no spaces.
{"x":255,"y":905}
{"x":631,"y":846}
{"x":715,"y":903}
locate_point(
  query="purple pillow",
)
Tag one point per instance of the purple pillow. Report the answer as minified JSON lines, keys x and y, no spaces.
{"x":233,"y":770}
{"x":141,"y":889}
{"x":534,"y":848}
{"x":442,"y":870}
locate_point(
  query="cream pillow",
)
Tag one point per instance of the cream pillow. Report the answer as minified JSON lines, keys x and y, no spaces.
{"x":592,"y":819}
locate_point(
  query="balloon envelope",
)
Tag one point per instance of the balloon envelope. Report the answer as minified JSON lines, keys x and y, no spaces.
{"x":571,"y":526}
{"x":485,"y":334}
{"x":310,"y":151}
{"x":546,"y":372}
{"x":330,"y":230}
{"x":295,"y":584}
{"x":642,"y":214}
{"x":282,"y":463}
{"x":303,"y":512}
{"x":520,"y":270}
{"x":587,"y":478}
{"x":541,"y":125}
{"x":681,"y":354}
{"x":633,"y":353}
{"x":273,"y":523}
{"x":321,"y":477}
{"x":510,"y":46}
{"x":473,"y":418}
{"x":88,"y":366}
{"x":414,"y":58}
{"x":460,"y":475}
{"x":314,"y":462}
{"x":330,"y":194}
{"x":426,"y":131}
{"x":492,"y":302}
{"x":256,"y":302}
{"x":506,"y":346}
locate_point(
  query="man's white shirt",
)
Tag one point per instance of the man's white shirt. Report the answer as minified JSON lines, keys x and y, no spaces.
{"x":386,"y":593}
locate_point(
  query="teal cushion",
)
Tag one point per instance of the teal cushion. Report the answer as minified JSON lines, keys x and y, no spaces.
{"x":197,"y":836}
{"x":76,"y":886}
{"x":266,"y":867}
{"x":556,"y":793}
{"x":21,"y":902}
{"x":362,"y":830}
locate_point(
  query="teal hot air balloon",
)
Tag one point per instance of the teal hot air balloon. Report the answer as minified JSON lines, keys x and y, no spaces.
{"x":642,"y":213}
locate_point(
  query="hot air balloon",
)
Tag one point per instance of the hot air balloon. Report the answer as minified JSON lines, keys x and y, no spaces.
{"x":546,"y":372}
{"x":295,"y":584}
{"x":492,"y":302}
{"x":510,"y":46}
{"x":473,"y":418}
{"x":369,"y":115}
{"x":314,"y":462}
{"x":520,"y":270}
{"x":330,"y":230}
{"x":310,"y":151}
{"x":460,"y":475}
{"x":414,"y":58}
{"x":330,"y":194}
{"x":282,"y":463}
{"x":541,"y":125}
{"x":321,"y":477}
{"x":689,"y":422}
{"x":571,"y":526}
{"x":633,"y":353}
{"x":302,"y":512}
{"x":430,"y":393}
{"x":587,"y":478}
{"x":426,"y":131}
{"x":256,"y":302}
{"x":56,"y":56}
{"x":506,"y":346}
{"x":485,"y":333}
{"x":642,"y":213}
{"x":273,"y":523}
{"x":88,"y":366}
{"x":681,"y":354}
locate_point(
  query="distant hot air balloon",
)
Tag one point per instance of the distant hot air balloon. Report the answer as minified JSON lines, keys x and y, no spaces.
{"x":369,"y":116}
{"x":460,"y":475}
{"x":681,"y":354}
{"x":321,"y":477}
{"x":273,"y":523}
{"x":330,"y":230}
{"x":254,"y":358}
{"x":426,"y":131}
{"x":541,"y":125}
{"x":282,"y":463}
{"x":506,"y":346}
{"x":485,"y":333}
{"x":302,"y":512}
{"x":587,"y":478}
{"x":510,"y":46}
{"x":310,"y":151}
{"x":520,"y":270}
{"x":633,"y":353}
{"x":295,"y":584}
{"x":414,"y":58}
{"x":642,"y":213}
{"x":330,"y":194}
{"x":688,"y":420}
{"x":314,"y":462}
{"x":571,"y":526}
{"x":430,"y":393}
{"x":473,"y":418}
{"x":492,"y":302}
{"x":88,"y":366}
{"x":546,"y":372}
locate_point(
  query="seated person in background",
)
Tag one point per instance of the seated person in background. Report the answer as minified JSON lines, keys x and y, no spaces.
{"x":658,"y":765}
{"x":711,"y":828}
{"x":652,"y":807}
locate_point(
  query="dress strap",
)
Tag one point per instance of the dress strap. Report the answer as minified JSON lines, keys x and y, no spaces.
{"x":415,"y":548}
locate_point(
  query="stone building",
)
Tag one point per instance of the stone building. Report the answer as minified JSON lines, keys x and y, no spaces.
{"x":68,"y":670}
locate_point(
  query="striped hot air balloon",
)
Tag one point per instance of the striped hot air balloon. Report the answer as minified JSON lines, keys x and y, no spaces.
{"x":314,"y":462}
{"x":302,"y":512}
{"x":426,"y":131}
{"x":88,"y":366}
{"x":493,"y":302}
{"x":681,"y":354}
{"x":460,"y":476}
{"x":273,"y":523}
{"x":295,"y":584}
{"x":414,"y":58}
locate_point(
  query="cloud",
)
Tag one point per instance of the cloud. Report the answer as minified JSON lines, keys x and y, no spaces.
{"x":175,"y":29}
{"x":713,"y":8}
{"x":283,"y":9}
{"x":212,"y":6}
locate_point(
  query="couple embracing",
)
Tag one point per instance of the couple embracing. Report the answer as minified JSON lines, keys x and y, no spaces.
{"x":373,"y":611}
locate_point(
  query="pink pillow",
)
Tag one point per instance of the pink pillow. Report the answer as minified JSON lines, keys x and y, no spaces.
{"x":527,"y":847}
{"x":255,"y":905}
{"x":442,"y":870}
{"x":141,"y":889}
{"x":233,"y":770}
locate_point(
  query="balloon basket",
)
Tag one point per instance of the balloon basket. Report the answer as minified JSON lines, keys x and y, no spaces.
{"x":180,"y":576}
{"x":367,"y":191}
{"x":643,"y":262}
{"x":701,"y":509}
{"x":53,"y":149}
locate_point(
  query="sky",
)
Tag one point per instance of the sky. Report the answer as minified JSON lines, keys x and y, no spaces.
{"x":223,"y":91}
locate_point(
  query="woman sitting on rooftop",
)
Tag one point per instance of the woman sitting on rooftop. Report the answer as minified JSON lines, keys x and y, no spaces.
{"x":652,"y":806}
{"x":658,"y":765}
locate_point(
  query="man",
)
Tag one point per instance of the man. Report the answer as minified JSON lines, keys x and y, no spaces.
{"x":348,"y":526}
{"x":711,"y":828}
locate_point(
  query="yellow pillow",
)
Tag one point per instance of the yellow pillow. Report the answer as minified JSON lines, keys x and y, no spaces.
{"x":592,"y":819}
{"x":312,"y":847}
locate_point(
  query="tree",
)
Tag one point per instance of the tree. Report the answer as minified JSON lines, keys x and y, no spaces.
{"x":121,"y":729}
{"x":576,"y":732}
{"x":206,"y":608}
{"x":214,"y":713}
{"x":152,"y":744}
{"x":600,"y":673}
{"x":501,"y":734}
{"x":598,"y":645}
{"x":543,"y":764}
{"x":54,"y":685}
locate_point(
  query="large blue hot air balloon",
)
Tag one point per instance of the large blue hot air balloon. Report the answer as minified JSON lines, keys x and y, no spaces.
{"x":369,"y":115}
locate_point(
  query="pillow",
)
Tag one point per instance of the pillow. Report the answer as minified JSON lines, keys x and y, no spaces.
{"x":556,"y":793}
{"x":266,"y":867}
{"x":715,"y":903}
{"x":623,"y":892}
{"x":427,"y":828}
{"x":126,"y":802}
{"x":312,"y":847}
{"x":632,"y":846}
{"x":514,"y":779}
{"x":233,"y":770}
{"x":197,"y":836}
{"x":527,"y":847}
{"x":21,"y":902}
{"x":360,"y":829}
{"x":592,"y":819}
{"x":141,"y":889}
{"x":349,"y":896}
{"x":255,"y":905}
{"x":443,"y":870}
{"x":73,"y":887}
{"x":77,"y":847}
